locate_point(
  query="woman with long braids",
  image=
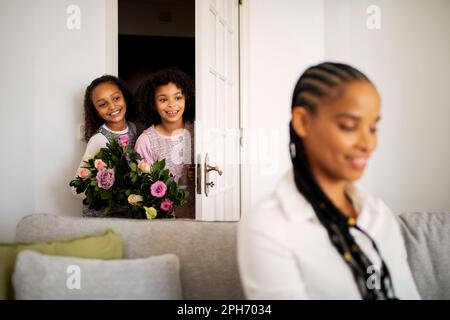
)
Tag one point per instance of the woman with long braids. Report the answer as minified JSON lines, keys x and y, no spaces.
{"x":319,"y":236}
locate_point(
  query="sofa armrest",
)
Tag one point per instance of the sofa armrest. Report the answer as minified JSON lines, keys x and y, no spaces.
{"x":427,"y":239}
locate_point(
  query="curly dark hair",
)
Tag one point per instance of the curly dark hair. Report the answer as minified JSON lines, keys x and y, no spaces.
{"x":92,"y":121}
{"x":145,"y":94}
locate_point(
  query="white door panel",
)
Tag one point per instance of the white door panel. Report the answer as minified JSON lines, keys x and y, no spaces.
{"x":217,"y":116}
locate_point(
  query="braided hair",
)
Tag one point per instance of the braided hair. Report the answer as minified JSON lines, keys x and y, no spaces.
{"x":326,"y":81}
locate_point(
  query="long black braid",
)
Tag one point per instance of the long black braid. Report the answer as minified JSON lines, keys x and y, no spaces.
{"x":318,"y":84}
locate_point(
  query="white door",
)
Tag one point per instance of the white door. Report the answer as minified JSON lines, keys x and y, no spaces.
{"x":217,"y":131}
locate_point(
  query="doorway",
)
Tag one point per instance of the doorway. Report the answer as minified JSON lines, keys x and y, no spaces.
{"x":201,"y":38}
{"x":154,"y":35}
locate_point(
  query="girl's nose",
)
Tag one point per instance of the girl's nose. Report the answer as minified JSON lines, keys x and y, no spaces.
{"x":111,"y":104}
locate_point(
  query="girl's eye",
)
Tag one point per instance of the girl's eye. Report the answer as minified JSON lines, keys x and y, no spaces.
{"x":178,"y":98}
{"x":374,"y":130}
{"x":101,"y":105}
{"x":116,"y":98}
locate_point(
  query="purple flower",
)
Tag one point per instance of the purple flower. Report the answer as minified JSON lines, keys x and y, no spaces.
{"x":167,"y":205}
{"x":105,"y":178}
{"x":124,"y":140}
{"x":158,"y":189}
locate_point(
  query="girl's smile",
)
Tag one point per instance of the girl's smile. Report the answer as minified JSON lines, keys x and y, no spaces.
{"x":115,"y":113}
{"x":170,"y":103}
{"x":172,"y":113}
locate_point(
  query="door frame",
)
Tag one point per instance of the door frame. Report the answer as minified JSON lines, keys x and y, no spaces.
{"x":112,"y":63}
{"x":244,"y":81}
{"x":112,"y":37}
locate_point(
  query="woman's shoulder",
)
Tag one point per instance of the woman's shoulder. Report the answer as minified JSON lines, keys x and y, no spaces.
{"x":267,"y":220}
{"x":374,"y":208}
{"x":271,"y":210}
{"x":373,"y":201}
{"x":268,"y":208}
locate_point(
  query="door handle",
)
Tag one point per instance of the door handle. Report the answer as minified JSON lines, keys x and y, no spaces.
{"x":212,"y":168}
{"x":208,"y":168}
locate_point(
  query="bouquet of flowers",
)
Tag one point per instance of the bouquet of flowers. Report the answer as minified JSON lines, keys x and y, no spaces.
{"x":117,"y":178}
{"x":155,"y":193}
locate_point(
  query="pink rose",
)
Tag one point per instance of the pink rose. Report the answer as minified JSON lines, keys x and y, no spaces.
{"x":124,"y":140}
{"x":99,"y":164}
{"x":105,"y":178}
{"x":144,"y":166}
{"x":83,"y":173}
{"x":158,"y":189}
{"x":167,"y":205}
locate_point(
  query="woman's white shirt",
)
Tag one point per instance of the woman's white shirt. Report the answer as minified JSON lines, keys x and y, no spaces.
{"x":284,"y":252}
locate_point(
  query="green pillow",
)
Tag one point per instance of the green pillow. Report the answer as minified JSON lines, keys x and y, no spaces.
{"x":107,"y":245}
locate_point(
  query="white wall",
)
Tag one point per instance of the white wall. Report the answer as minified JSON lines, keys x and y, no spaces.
{"x":283,"y":38}
{"x":408,"y":60}
{"x":44,"y":68}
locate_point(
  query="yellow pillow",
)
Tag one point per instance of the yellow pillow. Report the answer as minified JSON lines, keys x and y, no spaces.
{"x":107,"y":245}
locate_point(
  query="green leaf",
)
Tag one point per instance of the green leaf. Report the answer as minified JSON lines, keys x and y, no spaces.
{"x":74,"y":183}
{"x":80,"y":189}
{"x":133,"y":167}
{"x":108,"y":209}
{"x":181,"y":181}
{"x":169,"y":180}
{"x":106,"y":194}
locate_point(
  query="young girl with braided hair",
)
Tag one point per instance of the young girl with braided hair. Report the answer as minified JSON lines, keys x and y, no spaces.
{"x":319,"y":236}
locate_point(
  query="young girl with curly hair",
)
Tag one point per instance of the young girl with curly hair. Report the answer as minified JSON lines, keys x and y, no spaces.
{"x":167,"y":101}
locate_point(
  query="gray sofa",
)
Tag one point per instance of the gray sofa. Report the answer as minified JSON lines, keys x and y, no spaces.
{"x":207,"y":250}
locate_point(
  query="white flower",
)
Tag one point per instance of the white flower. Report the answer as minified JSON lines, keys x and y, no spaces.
{"x":134,"y":199}
{"x":87,"y":157}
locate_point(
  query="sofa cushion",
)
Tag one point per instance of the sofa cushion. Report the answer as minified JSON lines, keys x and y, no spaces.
{"x":207,"y":250}
{"x":39,"y":276}
{"x":427,"y":239}
{"x":107,"y":245}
